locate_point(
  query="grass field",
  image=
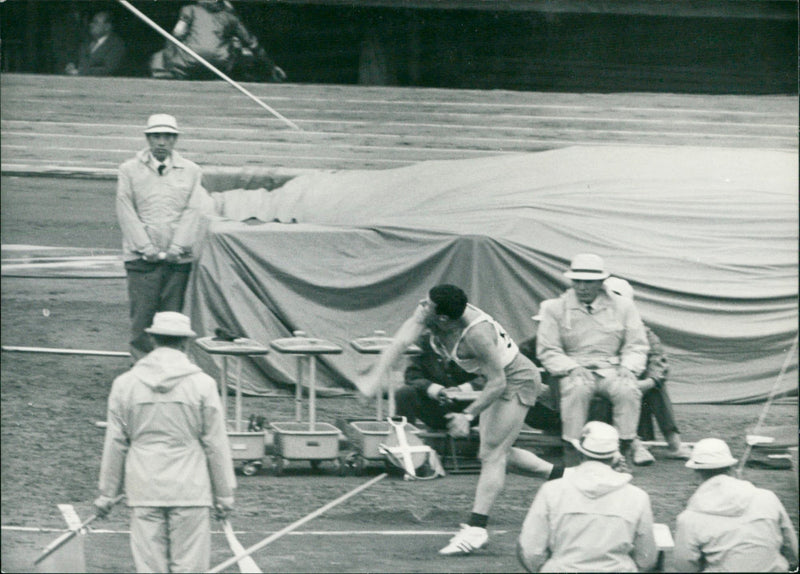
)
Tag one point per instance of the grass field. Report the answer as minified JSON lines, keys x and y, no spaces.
{"x":50,"y":445}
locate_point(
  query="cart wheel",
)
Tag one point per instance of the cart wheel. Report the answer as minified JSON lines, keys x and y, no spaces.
{"x":360,"y":464}
{"x":341,"y":467}
{"x":315,"y":464}
{"x":250,"y":468}
{"x":278,"y":465}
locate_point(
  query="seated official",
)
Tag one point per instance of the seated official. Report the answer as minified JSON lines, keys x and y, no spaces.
{"x":431,"y":383}
{"x":595,"y":345}
{"x":655,"y":400}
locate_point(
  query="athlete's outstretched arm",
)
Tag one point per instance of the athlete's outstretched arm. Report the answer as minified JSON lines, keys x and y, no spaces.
{"x":370,"y":384}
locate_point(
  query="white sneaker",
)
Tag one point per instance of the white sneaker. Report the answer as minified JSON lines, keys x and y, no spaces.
{"x":642,"y":456}
{"x":468,"y":539}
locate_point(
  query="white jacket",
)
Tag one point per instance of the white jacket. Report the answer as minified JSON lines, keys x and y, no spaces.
{"x":730,"y":525}
{"x":166,"y":436}
{"x":591,"y":520}
{"x":159,"y":210}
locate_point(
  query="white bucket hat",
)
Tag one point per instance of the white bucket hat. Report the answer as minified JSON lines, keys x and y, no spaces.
{"x":171,"y":323}
{"x":619,"y":287}
{"x":598,"y":440}
{"x":711,"y":453}
{"x":587,"y":267}
{"x":162,"y":124}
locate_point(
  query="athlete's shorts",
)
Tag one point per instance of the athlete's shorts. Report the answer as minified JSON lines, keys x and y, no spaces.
{"x":523,"y":380}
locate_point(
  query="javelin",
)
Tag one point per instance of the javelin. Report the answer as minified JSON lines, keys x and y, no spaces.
{"x":296,"y":525}
{"x":207,"y":64}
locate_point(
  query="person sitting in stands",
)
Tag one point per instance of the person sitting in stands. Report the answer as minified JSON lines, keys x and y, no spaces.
{"x":213,"y":30}
{"x":104,"y":54}
{"x":655,"y":400}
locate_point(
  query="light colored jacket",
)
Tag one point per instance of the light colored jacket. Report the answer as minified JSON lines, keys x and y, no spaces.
{"x":166,"y":436}
{"x":730,"y":525}
{"x":569,"y":336}
{"x":591,"y":520}
{"x":158,"y":210}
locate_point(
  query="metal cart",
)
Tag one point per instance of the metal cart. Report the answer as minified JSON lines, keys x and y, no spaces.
{"x":298,"y":440}
{"x":246,"y":447}
{"x":366,"y":436}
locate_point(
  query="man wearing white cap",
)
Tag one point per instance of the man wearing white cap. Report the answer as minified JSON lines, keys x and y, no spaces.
{"x":592,"y":519}
{"x":730,"y":525}
{"x":594,"y":345}
{"x":158,"y":197}
{"x":166,"y":441}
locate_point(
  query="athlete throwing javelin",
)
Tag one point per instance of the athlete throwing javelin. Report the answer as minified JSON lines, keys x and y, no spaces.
{"x":477,"y":343}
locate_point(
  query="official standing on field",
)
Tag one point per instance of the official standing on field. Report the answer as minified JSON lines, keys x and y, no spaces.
{"x":157,"y":197}
{"x":166,"y":441}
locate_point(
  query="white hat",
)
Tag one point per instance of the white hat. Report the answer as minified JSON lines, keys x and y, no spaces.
{"x":161,"y":124}
{"x":598,"y":440}
{"x":711,"y":453}
{"x":619,"y":287}
{"x":587,"y":267}
{"x":171,"y":323}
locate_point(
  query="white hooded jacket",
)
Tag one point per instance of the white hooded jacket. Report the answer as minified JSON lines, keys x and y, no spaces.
{"x":166,"y":436}
{"x":591,"y":520}
{"x":730,"y":525}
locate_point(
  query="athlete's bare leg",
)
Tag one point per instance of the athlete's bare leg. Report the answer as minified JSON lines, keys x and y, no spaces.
{"x":500,"y":426}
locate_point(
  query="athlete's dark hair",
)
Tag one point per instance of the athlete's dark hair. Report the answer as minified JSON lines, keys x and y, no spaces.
{"x":449,"y":300}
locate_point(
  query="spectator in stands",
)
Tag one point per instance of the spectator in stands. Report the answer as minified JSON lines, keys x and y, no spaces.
{"x":472,"y":339}
{"x":592,"y":519}
{"x":67,"y":33}
{"x":730,"y":525}
{"x":213,"y":30}
{"x":166,"y":444}
{"x":159,"y":194}
{"x":594,"y":345}
{"x":104,"y":54}
{"x":655,"y":400}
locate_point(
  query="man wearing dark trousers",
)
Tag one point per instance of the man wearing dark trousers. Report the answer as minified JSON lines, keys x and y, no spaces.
{"x":158,"y":193}
{"x":432,"y":387}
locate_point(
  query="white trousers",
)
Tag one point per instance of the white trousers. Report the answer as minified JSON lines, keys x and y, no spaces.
{"x":576,"y":397}
{"x":171,"y":539}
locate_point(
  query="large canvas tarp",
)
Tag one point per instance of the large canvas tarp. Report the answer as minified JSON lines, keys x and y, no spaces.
{"x":707,"y":237}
